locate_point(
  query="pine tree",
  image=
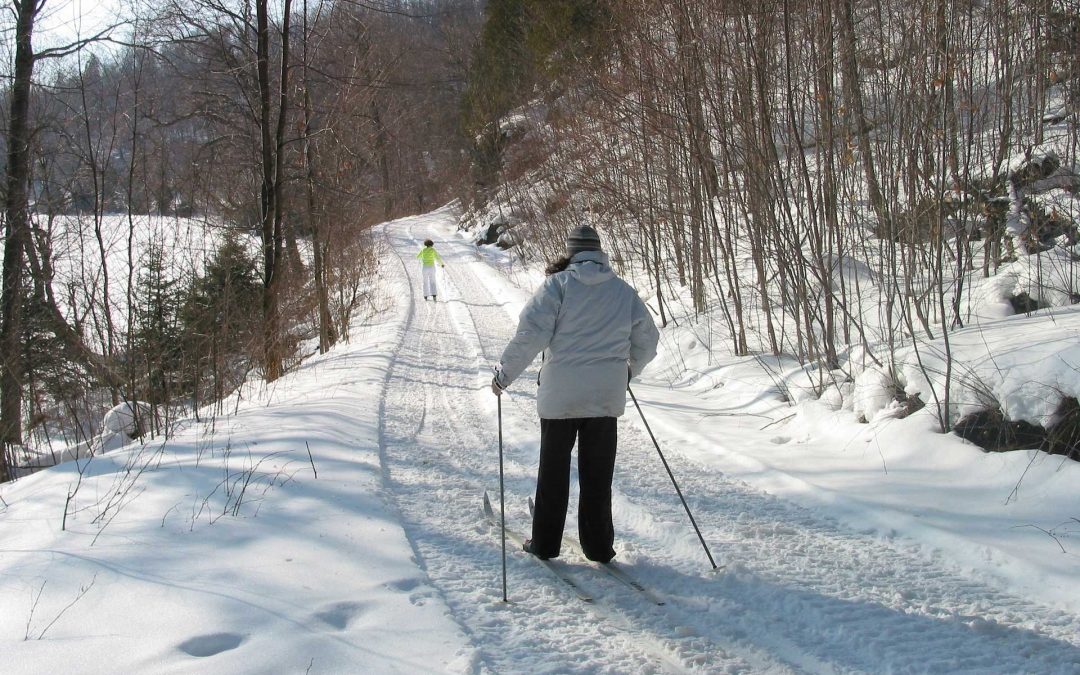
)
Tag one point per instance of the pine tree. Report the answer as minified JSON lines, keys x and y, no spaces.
{"x":498,"y":81}
{"x":220,"y":320}
{"x":156,"y":343}
{"x":523,"y":43}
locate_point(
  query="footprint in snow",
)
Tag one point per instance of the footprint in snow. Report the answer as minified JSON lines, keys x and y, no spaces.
{"x":407,"y":584}
{"x":418,"y":591}
{"x":780,"y":440}
{"x":208,"y":645}
{"x":339,"y":614}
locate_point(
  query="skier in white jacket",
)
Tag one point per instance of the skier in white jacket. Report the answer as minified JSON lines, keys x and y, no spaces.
{"x":595,"y":334}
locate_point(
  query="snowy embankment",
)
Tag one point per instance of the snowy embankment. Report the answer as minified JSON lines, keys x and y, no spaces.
{"x":1013,"y":517}
{"x":848,"y":547}
{"x":220,"y":548}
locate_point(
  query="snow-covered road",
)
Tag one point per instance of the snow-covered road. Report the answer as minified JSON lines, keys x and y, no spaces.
{"x":799,"y":592}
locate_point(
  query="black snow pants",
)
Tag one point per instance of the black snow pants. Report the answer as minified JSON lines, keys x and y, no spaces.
{"x":597,"y":438}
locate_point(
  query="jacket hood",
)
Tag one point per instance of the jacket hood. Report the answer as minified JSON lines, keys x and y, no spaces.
{"x":591,"y":267}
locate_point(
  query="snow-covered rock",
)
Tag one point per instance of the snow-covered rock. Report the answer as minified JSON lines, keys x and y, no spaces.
{"x":124,"y":423}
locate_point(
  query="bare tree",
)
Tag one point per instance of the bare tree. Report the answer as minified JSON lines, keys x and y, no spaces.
{"x":17,"y":232}
{"x":17,"y":219}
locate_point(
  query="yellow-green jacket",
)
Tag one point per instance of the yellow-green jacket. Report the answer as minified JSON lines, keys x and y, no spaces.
{"x":428,"y":255}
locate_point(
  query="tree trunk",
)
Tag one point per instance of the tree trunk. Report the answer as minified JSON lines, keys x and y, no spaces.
{"x":856,"y":122}
{"x":272,"y":144}
{"x":17,"y":234}
{"x":382,"y":150}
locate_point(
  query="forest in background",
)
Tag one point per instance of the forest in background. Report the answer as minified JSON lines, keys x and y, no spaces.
{"x":273,"y":133}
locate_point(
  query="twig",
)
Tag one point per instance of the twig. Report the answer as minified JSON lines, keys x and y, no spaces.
{"x":1016,"y":488}
{"x":115,"y":513}
{"x":782,"y":419}
{"x":82,"y":591}
{"x":71,"y":494}
{"x":168,"y":512}
{"x":33,"y":608}
{"x":247,"y":476}
{"x":312,"y":459}
{"x":726,"y":414}
{"x":1047,"y":533}
{"x":127,"y":481}
{"x":195,"y":516}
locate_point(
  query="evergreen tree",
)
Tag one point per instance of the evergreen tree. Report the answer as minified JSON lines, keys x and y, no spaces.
{"x":502,"y":68}
{"x":220,"y":320}
{"x":564,"y":34}
{"x":498,"y":81}
{"x":524,"y":43}
{"x":156,"y":342}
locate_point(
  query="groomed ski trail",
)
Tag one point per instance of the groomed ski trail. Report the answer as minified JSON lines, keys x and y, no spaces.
{"x":801,"y":593}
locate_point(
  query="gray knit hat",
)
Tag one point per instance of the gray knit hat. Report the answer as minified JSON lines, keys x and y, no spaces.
{"x":582,"y":238}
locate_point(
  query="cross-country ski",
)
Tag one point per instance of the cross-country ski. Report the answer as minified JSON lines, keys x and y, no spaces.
{"x":612,"y":568}
{"x":519,"y":540}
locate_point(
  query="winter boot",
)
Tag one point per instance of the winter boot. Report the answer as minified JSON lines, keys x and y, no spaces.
{"x":528,"y":548}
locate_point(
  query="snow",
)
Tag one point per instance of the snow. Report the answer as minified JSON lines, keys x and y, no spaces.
{"x":186,"y":245}
{"x":330,"y":521}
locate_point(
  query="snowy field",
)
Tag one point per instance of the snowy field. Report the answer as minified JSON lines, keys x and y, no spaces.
{"x":333,"y":524}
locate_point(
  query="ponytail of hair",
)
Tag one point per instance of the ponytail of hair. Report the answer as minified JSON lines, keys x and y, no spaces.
{"x":556,"y":266}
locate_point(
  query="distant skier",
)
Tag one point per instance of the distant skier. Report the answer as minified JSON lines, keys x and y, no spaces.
{"x":595,"y":333}
{"x":427,"y":257}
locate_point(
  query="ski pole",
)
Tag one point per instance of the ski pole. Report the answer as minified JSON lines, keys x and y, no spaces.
{"x":502,"y":501}
{"x":672,"y":477}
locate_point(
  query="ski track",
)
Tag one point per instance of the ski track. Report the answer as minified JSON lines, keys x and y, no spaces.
{"x":800,"y":592}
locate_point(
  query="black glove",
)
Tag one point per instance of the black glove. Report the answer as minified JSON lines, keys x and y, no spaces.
{"x":496,"y":386}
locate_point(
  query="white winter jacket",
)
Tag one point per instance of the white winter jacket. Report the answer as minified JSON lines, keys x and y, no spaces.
{"x":591,"y":325}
